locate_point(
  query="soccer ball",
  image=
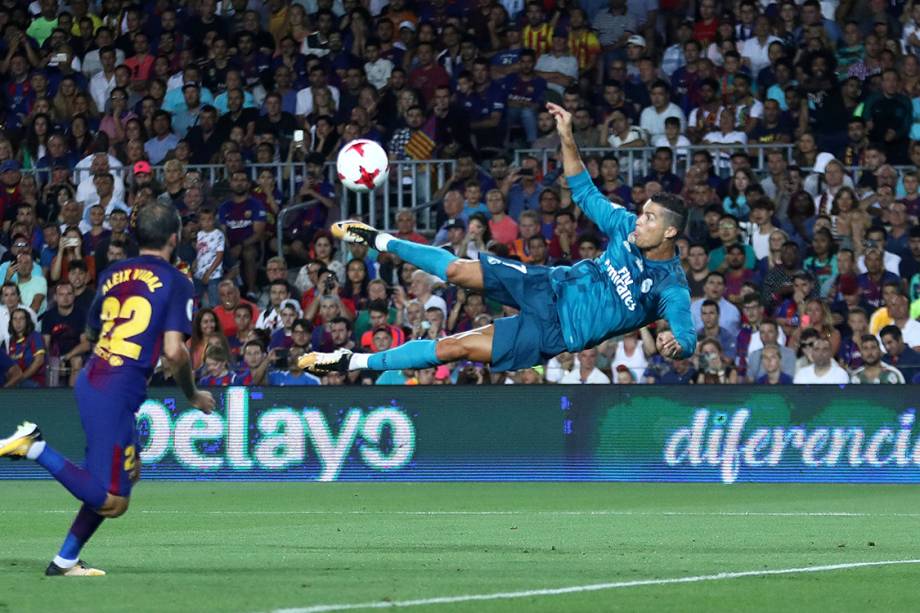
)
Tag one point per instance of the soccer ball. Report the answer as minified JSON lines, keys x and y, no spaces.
{"x":362,"y":165}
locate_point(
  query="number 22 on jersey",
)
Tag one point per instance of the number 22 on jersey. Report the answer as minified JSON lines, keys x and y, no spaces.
{"x":122,"y":321}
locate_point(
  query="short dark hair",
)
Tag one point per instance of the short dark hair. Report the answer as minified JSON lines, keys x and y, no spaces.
{"x":676,"y":208}
{"x":378,"y":305}
{"x":711,"y":303}
{"x":155,"y":223}
{"x":892,"y":331}
{"x":341,"y":320}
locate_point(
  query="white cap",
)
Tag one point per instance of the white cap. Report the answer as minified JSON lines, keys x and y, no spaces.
{"x":637,"y":40}
{"x":407,"y":24}
{"x":822,"y":161}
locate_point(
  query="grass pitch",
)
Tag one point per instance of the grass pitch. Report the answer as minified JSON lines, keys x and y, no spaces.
{"x":263,"y":547}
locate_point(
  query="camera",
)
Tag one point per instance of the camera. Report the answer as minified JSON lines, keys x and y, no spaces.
{"x":281,"y":358}
{"x":329,"y":283}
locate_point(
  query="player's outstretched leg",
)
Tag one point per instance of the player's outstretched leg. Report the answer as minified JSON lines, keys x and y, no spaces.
{"x":27,"y":442}
{"x":434,"y":260}
{"x":475,"y":345}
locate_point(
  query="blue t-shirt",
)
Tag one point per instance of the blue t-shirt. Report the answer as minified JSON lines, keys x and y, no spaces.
{"x":137,"y":301}
{"x":239,"y":218}
{"x":620,"y":290}
{"x":284,"y":378}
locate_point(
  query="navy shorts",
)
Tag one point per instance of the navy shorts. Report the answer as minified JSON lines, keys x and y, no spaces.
{"x":535,"y":334}
{"x":112,"y":453}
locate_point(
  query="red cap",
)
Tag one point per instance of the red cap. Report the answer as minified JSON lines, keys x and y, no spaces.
{"x":142,"y":166}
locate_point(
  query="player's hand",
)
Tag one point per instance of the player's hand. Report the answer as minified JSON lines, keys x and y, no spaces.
{"x":203,"y":401}
{"x":667,"y":345}
{"x":563,"y":118}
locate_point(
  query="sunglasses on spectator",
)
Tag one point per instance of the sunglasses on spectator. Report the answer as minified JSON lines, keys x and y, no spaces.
{"x":21,"y":245}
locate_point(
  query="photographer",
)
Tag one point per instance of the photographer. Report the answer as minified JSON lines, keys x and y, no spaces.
{"x":713,"y":367}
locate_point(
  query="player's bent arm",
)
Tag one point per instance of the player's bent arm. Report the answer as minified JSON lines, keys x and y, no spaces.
{"x":675,"y":308}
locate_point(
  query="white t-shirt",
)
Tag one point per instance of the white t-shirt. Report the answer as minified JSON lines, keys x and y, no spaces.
{"x":574,"y":377}
{"x":653,"y":122}
{"x":564,"y":64}
{"x":680,"y":149}
{"x":911,"y":333}
{"x":208,"y":245}
{"x":757,"y":54}
{"x":834,"y":376}
{"x":761,"y":244}
{"x":305,"y":99}
{"x":636,"y":362}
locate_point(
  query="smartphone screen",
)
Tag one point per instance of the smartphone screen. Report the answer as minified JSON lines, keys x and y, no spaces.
{"x":298,"y":136}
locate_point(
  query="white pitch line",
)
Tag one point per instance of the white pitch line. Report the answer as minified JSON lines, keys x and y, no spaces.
{"x":594,"y":587}
{"x":601,"y":512}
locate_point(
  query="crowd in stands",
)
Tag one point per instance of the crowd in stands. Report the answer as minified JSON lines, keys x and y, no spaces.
{"x":806,"y":270}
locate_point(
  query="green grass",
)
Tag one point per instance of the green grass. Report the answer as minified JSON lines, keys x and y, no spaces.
{"x":259,"y":547}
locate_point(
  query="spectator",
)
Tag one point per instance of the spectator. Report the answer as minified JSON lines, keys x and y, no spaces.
{"x":709,"y":314}
{"x":898,"y":353}
{"x":379,"y":313}
{"x":27,"y":349}
{"x":254,"y":366}
{"x":873,"y":369}
{"x":823,"y":368}
{"x":244,"y":217}
{"x":714,"y":289}
{"x":217,"y":371}
{"x":230,"y":299}
{"x":713,"y":366}
{"x":62,"y":334}
{"x":587,"y":372}
{"x":292,"y":375}
{"x":773,"y":374}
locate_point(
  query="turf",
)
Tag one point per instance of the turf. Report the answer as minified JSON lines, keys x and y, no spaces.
{"x":260,"y":547}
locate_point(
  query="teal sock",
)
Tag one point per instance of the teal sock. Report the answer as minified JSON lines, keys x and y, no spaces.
{"x":433,"y":260}
{"x":414,"y":354}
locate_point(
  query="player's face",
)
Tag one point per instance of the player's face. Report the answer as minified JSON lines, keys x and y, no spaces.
{"x":651,"y":229}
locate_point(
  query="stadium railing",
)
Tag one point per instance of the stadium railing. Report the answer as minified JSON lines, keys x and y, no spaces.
{"x":414,"y":183}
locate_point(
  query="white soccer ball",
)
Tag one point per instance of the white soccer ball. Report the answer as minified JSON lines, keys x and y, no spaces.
{"x":362,"y":165}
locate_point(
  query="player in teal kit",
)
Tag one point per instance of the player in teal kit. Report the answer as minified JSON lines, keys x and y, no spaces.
{"x":142,"y":309}
{"x":636,"y":281}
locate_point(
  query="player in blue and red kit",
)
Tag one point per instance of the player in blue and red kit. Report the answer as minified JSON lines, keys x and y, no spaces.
{"x":142,"y":310}
{"x":637,"y":280}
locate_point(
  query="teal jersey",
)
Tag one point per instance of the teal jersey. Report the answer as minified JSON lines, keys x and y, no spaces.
{"x":619,"y":291}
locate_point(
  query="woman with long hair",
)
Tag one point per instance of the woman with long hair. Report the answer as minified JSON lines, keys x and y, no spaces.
{"x":735,"y":203}
{"x":63,"y":102}
{"x":817,"y":317}
{"x":357,"y":278}
{"x":26,"y":348}
{"x":206,"y":331}
{"x":806,"y":151}
{"x":323,"y":249}
{"x":114,"y":123}
{"x":35,"y":146}
{"x":80,"y":139}
{"x":848,"y":221}
{"x":83,"y":105}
